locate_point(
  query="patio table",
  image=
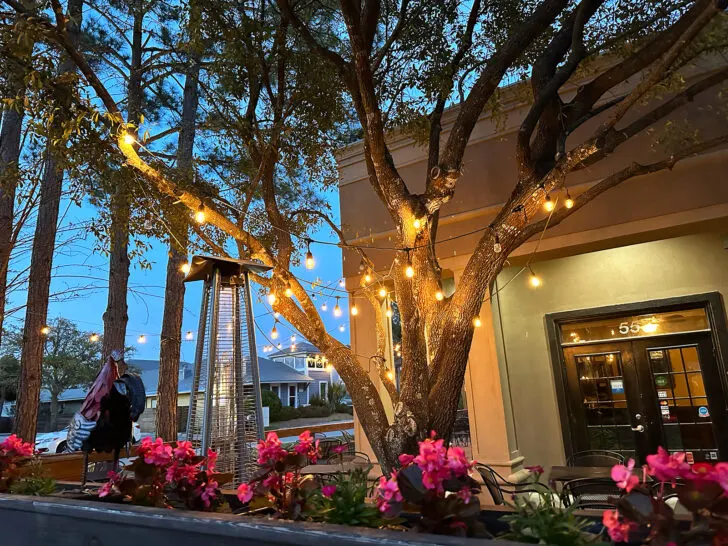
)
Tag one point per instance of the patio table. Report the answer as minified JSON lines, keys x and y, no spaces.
{"x":326,"y":469}
{"x":563,"y":474}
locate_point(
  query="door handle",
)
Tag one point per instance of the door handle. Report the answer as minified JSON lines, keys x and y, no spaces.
{"x":638,"y":428}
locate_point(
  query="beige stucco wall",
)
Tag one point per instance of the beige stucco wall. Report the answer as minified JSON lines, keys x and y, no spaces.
{"x":660,"y":269}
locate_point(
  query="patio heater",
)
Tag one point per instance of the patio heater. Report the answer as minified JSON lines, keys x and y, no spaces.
{"x":225,"y":411}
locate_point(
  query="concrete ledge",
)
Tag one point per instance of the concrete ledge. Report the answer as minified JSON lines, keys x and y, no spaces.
{"x":26,"y":521}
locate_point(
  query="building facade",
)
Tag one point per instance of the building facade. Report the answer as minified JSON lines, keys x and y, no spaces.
{"x":624,"y":345}
{"x":306,"y":359}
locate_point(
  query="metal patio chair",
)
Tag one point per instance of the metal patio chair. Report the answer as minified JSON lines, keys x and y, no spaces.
{"x":594,"y":493}
{"x":501,"y":489}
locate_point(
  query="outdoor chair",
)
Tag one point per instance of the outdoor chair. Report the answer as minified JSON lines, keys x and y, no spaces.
{"x":595,"y":457}
{"x":502,"y":490}
{"x":461,"y":429}
{"x":594,"y":493}
{"x":353,"y":457}
{"x":325,"y":447}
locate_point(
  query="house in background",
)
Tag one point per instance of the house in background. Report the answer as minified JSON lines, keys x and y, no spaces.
{"x":305,"y":358}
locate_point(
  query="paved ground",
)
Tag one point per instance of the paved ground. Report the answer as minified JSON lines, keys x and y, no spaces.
{"x":295,"y":423}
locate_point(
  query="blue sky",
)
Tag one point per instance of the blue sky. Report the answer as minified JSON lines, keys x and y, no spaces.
{"x":78,"y":266}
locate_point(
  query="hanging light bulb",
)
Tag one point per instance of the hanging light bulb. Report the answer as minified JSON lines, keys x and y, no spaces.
{"x":310,"y":262}
{"x":325,"y":306}
{"x":189,"y":336}
{"x":45,"y":330}
{"x":289,"y":291}
{"x":548,"y":203}
{"x":93,"y":338}
{"x":477,"y":322}
{"x":342,"y":283}
{"x":417,"y":224}
{"x":439,"y":296}
{"x":293,"y":346}
{"x":388,"y":312}
{"x":272,"y":298}
{"x":341,"y":328}
{"x":382,"y":292}
{"x":390,"y":375}
{"x":337,"y":309}
{"x":367,"y":278}
{"x":185,"y":267}
{"x":280,"y":346}
{"x":142,"y":339}
{"x":129,"y":139}
{"x":409,"y":271}
{"x":497,"y":247}
{"x":293,"y":339}
{"x":534,"y":279}
{"x":569,"y":203}
{"x":200,"y":214}
{"x":276,"y":314}
{"x":274,"y":331}
{"x":354,"y":310}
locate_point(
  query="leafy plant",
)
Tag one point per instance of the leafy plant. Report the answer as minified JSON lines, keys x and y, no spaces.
{"x":336,"y":394}
{"x":344,"y":502}
{"x":34,"y":481}
{"x":271,"y":400}
{"x":317,"y":401}
{"x":165,"y":475}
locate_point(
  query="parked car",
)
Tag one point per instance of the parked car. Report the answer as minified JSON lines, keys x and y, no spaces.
{"x":55,"y":442}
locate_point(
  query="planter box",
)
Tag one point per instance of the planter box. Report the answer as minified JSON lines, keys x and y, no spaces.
{"x":26,"y":521}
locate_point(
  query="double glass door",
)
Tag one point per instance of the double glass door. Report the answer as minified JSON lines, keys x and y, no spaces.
{"x":634,"y":395}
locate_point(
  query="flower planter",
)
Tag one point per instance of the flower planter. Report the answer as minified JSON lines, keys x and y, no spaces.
{"x":65,"y":522}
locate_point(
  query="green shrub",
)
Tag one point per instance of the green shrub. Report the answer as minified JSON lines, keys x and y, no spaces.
{"x":285,"y":413}
{"x":344,"y":408}
{"x":271,"y":400}
{"x":314,"y":411}
{"x":317,"y":401}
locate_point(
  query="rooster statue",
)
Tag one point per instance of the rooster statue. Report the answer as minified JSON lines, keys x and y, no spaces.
{"x":104,"y":422}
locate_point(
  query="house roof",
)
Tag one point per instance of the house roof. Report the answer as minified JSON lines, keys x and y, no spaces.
{"x":302,"y":348}
{"x":270,"y":372}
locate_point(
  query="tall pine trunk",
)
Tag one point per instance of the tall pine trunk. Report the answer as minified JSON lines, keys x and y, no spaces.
{"x":174,"y":294}
{"x":53,"y":421}
{"x":41,"y":265}
{"x":116,"y":316}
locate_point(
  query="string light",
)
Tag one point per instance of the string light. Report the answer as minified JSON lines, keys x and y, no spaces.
{"x":388,"y":312}
{"x":390,"y":375}
{"x":289,"y":291}
{"x":142,"y":339}
{"x":280,"y":346}
{"x":342,"y":283}
{"x":409,"y":271}
{"x":293,"y":346}
{"x":276,"y":314}
{"x":367,"y":278}
{"x":417,"y":224}
{"x":337,"y":309}
{"x":45,"y":330}
{"x":189,"y":336}
{"x":548,"y":203}
{"x":93,"y":338}
{"x":439,"y":296}
{"x":329,"y":368}
{"x":497,"y":247}
{"x":200,"y":214}
{"x":310,"y":262}
{"x":325,"y":306}
{"x":185,"y":267}
{"x":354,"y":310}
{"x":274,"y":331}
{"x":569,"y":203}
{"x":477,"y":322}
{"x":534,"y":279}
{"x":341,"y":328}
{"x":382,"y":292}
{"x":293,"y":339}
{"x":272,"y":298}
{"x":129,"y":139}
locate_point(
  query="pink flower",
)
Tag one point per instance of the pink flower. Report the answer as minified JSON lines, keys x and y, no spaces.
{"x":465,"y":494}
{"x":432,"y":460}
{"x":211,"y":460}
{"x":109,"y":485}
{"x":721,"y":475}
{"x":458,"y":462}
{"x":207,"y":492}
{"x":702,"y":472}
{"x":406,"y":459}
{"x":184,"y":450}
{"x":666,"y":467}
{"x":340,"y":449}
{"x":328,"y":491}
{"x":305,"y":441}
{"x":388,"y":491}
{"x":155,"y":452}
{"x":245,"y":493}
{"x":623,"y":476}
{"x":14,"y":445}
{"x":270,"y":451}
{"x":313,"y":452}
{"x":272,"y":481}
{"x":618,"y":530}
{"x":537,"y":469}
{"x":179,"y":472}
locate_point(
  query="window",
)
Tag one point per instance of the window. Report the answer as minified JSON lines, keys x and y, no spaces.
{"x":322,"y":389}
{"x":292,"y":396}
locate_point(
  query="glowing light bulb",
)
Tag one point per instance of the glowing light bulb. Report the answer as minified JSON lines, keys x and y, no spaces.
{"x":388,"y":312}
{"x":367,"y":278}
{"x":341,"y":328}
{"x":185,"y":267}
{"x":337,"y":309}
{"x":45,"y":330}
{"x":280,"y":346}
{"x":272,"y":298}
{"x":200,"y":214}
{"x":142,"y":339}
{"x":497,"y":247}
{"x":417,"y":224}
{"x":569,"y":203}
{"x":276,"y":314}
{"x":93,"y":338}
{"x":548,"y":203}
{"x":329,"y":368}
{"x":293,"y":339}
{"x":439,"y":296}
{"x":129,"y":139}
{"x":650,"y":327}
{"x":409,"y":271}
{"x":354,"y":310}
{"x":342,"y":283}
{"x":310,"y":262}
{"x":390,"y":375}
{"x":288,"y":292}
{"x":324,"y":306}
{"x":274,"y":332}
{"x":189,"y":336}
{"x":534,"y":280}
{"x":382,"y":292}
{"x":477,"y":322}
{"x":293,"y":346}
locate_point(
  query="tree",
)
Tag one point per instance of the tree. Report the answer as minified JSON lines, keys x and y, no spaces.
{"x":401,"y":64}
{"x":9,"y":376}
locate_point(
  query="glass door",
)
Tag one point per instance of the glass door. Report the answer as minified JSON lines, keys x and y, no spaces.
{"x":604,"y":393}
{"x":684,"y":391}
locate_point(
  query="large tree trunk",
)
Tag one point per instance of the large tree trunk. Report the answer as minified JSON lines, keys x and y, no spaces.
{"x":53,"y":422}
{"x":116,"y":315}
{"x":41,"y":264}
{"x":174,"y":294}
